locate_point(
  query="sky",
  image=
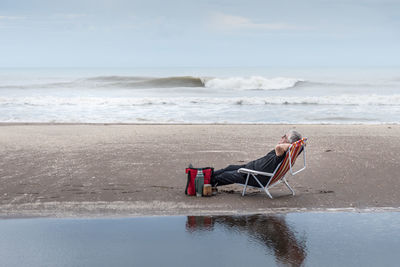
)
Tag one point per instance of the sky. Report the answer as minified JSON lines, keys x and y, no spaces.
{"x":199,"y":33}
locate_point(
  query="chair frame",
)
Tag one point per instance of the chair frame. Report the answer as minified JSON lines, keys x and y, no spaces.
{"x":253,"y":173}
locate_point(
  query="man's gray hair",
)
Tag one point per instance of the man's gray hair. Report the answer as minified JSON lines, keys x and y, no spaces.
{"x":293,"y":136}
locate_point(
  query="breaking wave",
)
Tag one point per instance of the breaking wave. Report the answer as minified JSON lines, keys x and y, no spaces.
{"x":253,"y":82}
{"x":135,"y":82}
{"x":238,"y":83}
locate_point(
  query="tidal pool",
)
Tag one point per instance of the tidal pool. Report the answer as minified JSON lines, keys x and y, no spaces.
{"x":294,"y":239}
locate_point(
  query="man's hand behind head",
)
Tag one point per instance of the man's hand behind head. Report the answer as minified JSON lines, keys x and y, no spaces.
{"x":280,"y":149}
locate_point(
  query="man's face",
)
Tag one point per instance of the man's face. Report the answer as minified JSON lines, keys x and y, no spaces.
{"x":284,"y":139}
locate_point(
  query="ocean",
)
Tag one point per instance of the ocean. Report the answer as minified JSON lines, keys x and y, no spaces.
{"x":201,"y":95}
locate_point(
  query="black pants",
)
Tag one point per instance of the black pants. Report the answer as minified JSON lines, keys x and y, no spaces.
{"x":229,"y":175}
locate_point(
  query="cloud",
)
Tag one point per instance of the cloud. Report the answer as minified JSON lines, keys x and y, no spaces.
{"x":231,"y":22}
{"x":69,"y":16}
{"x":11,"y":17}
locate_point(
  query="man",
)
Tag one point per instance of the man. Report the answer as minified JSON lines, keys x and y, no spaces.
{"x":268,"y":163}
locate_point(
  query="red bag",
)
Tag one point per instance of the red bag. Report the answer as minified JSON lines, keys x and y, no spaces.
{"x":194,"y":223}
{"x":192,"y":172}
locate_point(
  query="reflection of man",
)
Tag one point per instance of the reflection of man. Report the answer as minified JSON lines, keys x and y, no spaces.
{"x":268,"y":163}
{"x":270,"y":230}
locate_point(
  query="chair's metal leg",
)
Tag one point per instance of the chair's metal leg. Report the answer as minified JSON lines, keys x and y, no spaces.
{"x":266,"y":191}
{"x":261,"y":186}
{"x":287,"y":184}
{"x":245,"y":185}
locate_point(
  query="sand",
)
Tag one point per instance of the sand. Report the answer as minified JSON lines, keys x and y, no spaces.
{"x":86,"y":170}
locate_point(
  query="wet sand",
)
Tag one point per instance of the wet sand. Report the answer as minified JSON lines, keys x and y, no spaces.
{"x":68,"y":170}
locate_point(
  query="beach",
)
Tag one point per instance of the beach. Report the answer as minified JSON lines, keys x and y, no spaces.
{"x":108,"y":170}
{"x":104,"y":107}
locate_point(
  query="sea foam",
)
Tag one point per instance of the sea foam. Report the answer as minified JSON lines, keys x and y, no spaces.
{"x":253,"y":82}
{"x":345,"y":100}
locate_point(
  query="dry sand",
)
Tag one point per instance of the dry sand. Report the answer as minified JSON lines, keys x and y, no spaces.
{"x":67,"y":170}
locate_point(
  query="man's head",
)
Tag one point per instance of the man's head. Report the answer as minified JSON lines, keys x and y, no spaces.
{"x":290,"y":137}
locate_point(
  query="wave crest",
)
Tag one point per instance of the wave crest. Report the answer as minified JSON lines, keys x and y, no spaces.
{"x":143,"y":82}
{"x":137,"y":82}
{"x":235,"y":83}
{"x":252,"y":83}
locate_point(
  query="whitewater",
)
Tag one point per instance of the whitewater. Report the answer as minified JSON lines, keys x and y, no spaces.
{"x":187,"y":95}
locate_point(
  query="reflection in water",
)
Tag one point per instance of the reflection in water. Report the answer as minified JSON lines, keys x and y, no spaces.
{"x":270,"y":231}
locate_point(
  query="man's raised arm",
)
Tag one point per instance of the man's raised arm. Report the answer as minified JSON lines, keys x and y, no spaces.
{"x":281,"y":149}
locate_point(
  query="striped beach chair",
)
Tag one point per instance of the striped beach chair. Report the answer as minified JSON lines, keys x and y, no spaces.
{"x":278,"y":175}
